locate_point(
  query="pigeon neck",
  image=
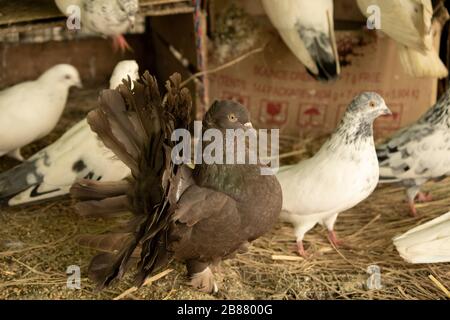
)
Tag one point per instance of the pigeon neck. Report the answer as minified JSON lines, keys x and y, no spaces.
{"x":352,"y":131}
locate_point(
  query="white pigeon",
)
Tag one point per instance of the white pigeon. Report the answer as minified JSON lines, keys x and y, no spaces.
{"x":419,"y":152}
{"x":307,"y":28}
{"x":427,"y":243}
{"x":409,"y":23}
{"x":77,"y":154}
{"x":340,"y":175}
{"x":109,"y":18}
{"x":30,"y":110}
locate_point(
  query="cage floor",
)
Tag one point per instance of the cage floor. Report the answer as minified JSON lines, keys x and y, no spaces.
{"x":37,"y":244}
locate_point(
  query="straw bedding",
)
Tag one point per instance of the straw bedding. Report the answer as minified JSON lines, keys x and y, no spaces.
{"x":37,"y":244}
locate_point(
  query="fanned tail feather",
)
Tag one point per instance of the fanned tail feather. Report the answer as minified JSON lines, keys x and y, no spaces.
{"x":93,"y":190}
{"x":136,"y":124}
{"x":103,"y":242}
{"x":105,"y":207}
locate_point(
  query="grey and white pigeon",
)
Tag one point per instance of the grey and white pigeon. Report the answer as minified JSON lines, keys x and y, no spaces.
{"x":419,"y":152}
{"x":30,"y":110}
{"x":427,"y":243}
{"x":307,"y":28}
{"x":340,"y":175}
{"x":77,"y":154}
{"x":197,"y":217}
{"x":109,"y":18}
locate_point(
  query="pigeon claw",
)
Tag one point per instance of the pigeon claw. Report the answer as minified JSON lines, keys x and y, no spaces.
{"x":424,"y":197}
{"x":204,"y":281}
{"x":333,"y":239}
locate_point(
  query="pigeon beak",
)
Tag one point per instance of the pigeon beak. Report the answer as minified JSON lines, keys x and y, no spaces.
{"x":386,"y":111}
{"x":248,"y":125}
{"x":79,"y":85}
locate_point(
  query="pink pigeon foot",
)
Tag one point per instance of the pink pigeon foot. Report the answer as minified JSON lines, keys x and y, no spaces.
{"x":300,"y":249}
{"x":412,"y":208}
{"x":424,"y":197}
{"x":333,"y":239}
{"x":120,"y":43}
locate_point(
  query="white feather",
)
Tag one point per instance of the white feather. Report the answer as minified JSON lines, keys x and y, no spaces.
{"x":288,"y":15}
{"x":339,"y":176}
{"x":30,"y":110}
{"x":106,"y":17}
{"x":55,"y":163}
{"x":421,"y":150}
{"x":409,"y":23}
{"x":319,"y":188}
{"x":427,"y":243}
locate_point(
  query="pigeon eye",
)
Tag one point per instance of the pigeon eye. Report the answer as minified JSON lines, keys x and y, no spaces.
{"x":67,"y":77}
{"x":232,"y":117}
{"x":372,"y":104}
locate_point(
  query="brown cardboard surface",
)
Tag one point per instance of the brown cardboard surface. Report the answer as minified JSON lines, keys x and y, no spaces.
{"x":344,"y":10}
{"x":276,"y":88}
{"x":347,"y":10}
{"x":26,"y":61}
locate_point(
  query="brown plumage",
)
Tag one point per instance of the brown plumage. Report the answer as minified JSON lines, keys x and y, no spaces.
{"x":198,"y":217}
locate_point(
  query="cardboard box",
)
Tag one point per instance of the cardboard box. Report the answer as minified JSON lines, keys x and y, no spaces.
{"x":347,"y":10}
{"x":276,"y":88}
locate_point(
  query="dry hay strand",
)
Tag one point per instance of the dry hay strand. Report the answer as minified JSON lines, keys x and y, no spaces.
{"x":37,"y":244}
{"x":342,"y":273}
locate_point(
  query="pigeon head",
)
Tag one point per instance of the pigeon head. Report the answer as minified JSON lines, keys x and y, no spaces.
{"x":64,"y":75}
{"x":122,"y":70}
{"x":227,"y":114}
{"x":357,"y":122}
{"x":367,"y":106}
{"x":129,"y":8}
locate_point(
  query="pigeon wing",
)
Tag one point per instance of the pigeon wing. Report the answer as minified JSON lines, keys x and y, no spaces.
{"x":312,"y":41}
{"x":427,"y":243}
{"x":420,"y":150}
{"x":407,"y":22}
{"x":206,"y":223}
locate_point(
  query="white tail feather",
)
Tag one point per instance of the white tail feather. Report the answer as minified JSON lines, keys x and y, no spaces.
{"x":422,"y":64}
{"x":427,"y":243}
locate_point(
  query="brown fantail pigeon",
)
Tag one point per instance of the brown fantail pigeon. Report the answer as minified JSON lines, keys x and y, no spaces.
{"x":199,"y":216}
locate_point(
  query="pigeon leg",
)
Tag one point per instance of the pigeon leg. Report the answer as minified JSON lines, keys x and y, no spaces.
{"x":412,"y":208}
{"x":412,"y":192}
{"x":120,"y":43}
{"x":301,"y":249}
{"x":333,"y":238}
{"x":329,"y":223}
{"x":16,"y":155}
{"x":300,"y":230}
{"x":201,"y":276}
{"x":424,"y":197}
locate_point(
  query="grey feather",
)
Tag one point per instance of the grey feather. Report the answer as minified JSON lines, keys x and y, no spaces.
{"x":419,"y":152}
{"x":19,"y":178}
{"x":319,"y":47}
